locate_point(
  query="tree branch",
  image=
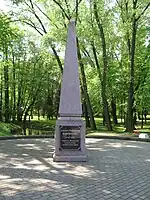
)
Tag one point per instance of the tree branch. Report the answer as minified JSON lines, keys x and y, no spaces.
{"x":44,"y":14}
{"x":86,"y":53}
{"x":62,"y":9}
{"x":142,"y":13}
{"x":37,"y":17}
{"x":57,"y":58}
{"x":64,"y":20}
{"x":77,"y":6}
{"x":33,"y":26}
{"x":135,"y":4}
{"x":119,"y":4}
{"x":68,"y":9}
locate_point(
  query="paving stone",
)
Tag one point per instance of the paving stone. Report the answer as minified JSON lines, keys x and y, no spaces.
{"x":115,"y":170}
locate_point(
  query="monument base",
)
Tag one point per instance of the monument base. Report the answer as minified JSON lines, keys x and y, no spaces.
{"x":70,"y":141}
{"x":69,"y":158}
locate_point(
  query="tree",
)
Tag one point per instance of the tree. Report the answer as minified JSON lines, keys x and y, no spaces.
{"x":132,"y":19}
{"x":8,"y":36}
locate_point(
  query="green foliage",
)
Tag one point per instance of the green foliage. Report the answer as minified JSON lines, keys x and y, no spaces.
{"x":28,"y":37}
{"x":6,"y":129}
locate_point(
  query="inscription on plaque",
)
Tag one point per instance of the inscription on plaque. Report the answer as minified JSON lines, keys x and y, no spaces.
{"x":70,"y":138}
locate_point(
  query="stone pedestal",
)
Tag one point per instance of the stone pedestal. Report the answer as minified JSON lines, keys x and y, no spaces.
{"x":70,"y":141}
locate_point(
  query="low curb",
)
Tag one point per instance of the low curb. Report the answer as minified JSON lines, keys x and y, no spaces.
{"x":25,"y":137}
{"x":94,"y":137}
{"x":120,"y":138}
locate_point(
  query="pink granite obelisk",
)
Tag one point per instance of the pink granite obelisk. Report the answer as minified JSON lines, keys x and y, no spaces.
{"x":70,"y":128}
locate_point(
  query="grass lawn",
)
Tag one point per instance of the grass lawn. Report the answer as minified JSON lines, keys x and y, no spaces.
{"x":6,"y":129}
{"x":44,"y":126}
{"x":101,"y":130}
{"x":118,"y":129}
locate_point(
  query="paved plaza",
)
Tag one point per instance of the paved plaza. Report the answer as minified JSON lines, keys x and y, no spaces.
{"x":116,"y":170}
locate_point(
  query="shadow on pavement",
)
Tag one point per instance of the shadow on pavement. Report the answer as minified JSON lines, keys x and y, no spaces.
{"x":115,"y":169}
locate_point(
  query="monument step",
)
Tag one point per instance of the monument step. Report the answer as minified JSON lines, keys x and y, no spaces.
{"x":76,"y":158}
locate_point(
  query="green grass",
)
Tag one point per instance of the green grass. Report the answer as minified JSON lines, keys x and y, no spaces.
{"x":118,"y":129}
{"x":48,"y":125}
{"x":44,"y":126}
{"x":7,"y":128}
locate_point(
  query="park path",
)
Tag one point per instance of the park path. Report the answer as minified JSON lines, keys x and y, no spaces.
{"x":116,"y":170}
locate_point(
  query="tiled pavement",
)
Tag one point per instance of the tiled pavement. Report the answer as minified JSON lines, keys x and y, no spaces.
{"x":116,"y":170}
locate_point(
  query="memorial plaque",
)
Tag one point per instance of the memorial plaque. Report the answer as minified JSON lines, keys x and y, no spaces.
{"x":70,"y":138}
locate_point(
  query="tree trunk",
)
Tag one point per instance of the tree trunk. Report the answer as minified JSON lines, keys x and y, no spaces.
{"x":86,"y":114}
{"x":121,"y":111}
{"x":38,"y":114}
{"x":139,"y":117}
{"x":106,"y":112}
{"x":57,"y":101}
{"x":6,"y":80}
{"x":130,"y":119}
{"x":105,"y":69}
{"x":85,"y":111}
{"x":142,"y":121}
{"x":29,"y":118}
{"x":14,"y":91}
{"x":124,"y":113}
{"x":113,"y":109}
{"x":1,"y":100}
{"x":104,"y":121}
{"x":85,"y":91}
{"x":19,"y":107}
{"x":31,"y":113}
{"x":11,"y":105}
{"x":145,"y":115}
{"x":30,"y":107}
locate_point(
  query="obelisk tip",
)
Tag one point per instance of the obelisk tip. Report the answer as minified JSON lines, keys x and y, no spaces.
{"x":72,"y":20}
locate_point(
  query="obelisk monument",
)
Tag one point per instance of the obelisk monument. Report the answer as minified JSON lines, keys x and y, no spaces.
{"x":70,"y":127}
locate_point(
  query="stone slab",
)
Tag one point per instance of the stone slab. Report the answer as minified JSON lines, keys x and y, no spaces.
{"x":69,"y":158}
